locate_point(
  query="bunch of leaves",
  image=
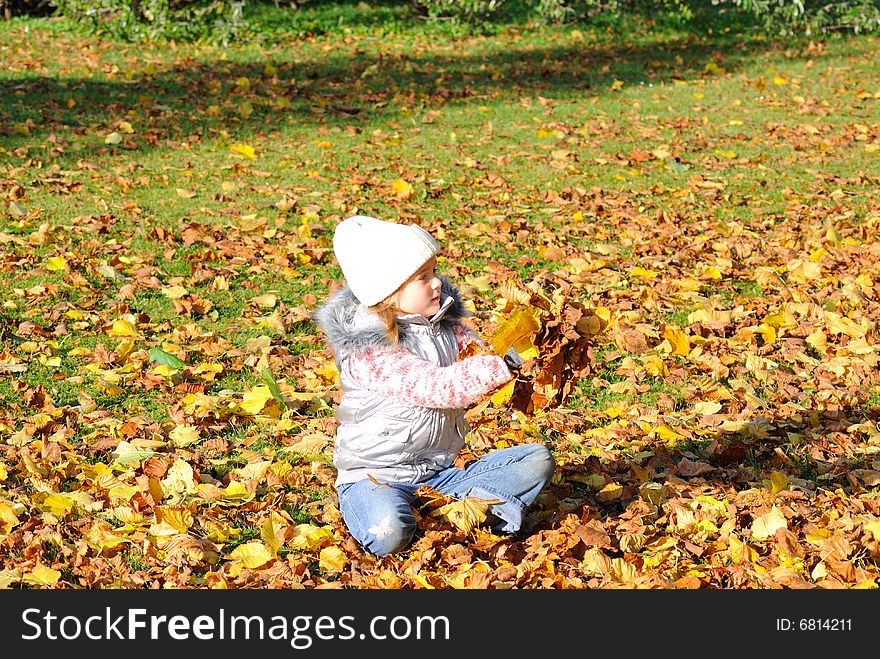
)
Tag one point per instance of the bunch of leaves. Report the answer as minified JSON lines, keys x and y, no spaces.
{"x":554,"y":333}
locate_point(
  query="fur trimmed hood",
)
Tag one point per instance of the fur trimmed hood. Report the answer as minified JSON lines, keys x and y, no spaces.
{"x":349,"y":327}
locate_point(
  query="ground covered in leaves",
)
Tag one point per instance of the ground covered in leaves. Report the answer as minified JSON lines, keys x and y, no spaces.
{"x":689,"y":267}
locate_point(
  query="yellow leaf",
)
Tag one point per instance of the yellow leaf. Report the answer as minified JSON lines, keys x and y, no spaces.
{"x":332,"y":559}
{"x":610,"y":492}
{"x":309,"y":536}
{"x":402,"y":189}
{"x":266,"y":301}
{"x":244,"y":150}
{"x":174,"y":292}
{"x":8,"y":518}
{"x":780,"y":319}
{"x":236,"y":491}
{"x":710,"y":272}
{"x":255,"y":400}
{"x":55,"y":263}
{"x":873,"y":527}
{"x":165,"y":370}
{"x":680,"y":343}
{"x":765,"y":526}
{"x":517,"y":330}
{"x":122,"y":327}
{"x":802,"y":272}
{"x":186,"y":194}
{"x":252,"y":554}
{"x":113,"y":138}
{"x":707,"y":407}
{"x":269,"y":533}
{"x":817,"y":536}
{"x":207,"y":371}
{"x":818,"y":341}
{"x":254,"y":470}
{"x":778,"y":482}
{"x":180,"y":478}
{"x":643,"y":273}
{"x":740,"y":552}
{"x":667,"y":434}
{"x":465,"y":513}
{"x":725,"y":153}
{"x":481,"y":284}
{"x":655,"y":366}
{"x":184,"y":435}
{"x":180,"y":518}
{"x":838,"y":324}
{"x":503,"y":395}
{"x":768,"y":332}
{"x":57,"y":504}
{"x":42,"y":576}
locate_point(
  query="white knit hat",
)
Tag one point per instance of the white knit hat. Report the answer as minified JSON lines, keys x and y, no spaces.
{"x":376,"y":257}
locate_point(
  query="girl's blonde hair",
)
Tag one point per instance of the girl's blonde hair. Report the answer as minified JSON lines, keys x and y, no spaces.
{"x":387,"y":312}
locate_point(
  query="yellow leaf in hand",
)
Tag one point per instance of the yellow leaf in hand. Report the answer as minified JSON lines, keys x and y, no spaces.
{"x":503,"y":395}
{"x":517,"y":330}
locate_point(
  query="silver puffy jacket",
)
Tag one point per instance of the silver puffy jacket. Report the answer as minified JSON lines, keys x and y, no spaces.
{"x":379,"y":436}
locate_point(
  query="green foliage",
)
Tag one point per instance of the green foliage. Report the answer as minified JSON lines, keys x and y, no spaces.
{"x":214,"y":21}
{"x":468,"y":11}
{"x":784,"y":17}
{"x":813,"y":16}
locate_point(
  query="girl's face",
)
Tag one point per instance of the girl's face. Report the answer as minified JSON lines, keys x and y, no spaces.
{"x":421,"y":293}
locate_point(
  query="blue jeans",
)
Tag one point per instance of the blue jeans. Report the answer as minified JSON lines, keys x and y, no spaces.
{"x":381,"y":519}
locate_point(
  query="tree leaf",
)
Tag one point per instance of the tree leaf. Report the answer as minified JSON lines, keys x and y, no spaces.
{"x":159,"y":356}
{"x":125,"y":453}
{"x":269,"y":379}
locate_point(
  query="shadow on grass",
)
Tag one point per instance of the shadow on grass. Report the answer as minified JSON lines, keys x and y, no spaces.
{"x":194,"y":101}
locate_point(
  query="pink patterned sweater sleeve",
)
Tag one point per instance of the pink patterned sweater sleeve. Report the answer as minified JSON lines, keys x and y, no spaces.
{"x":411,"y":379}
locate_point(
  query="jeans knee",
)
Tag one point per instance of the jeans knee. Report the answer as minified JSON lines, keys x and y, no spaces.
{"x":543,"y":462}
{"x":388,"y":540}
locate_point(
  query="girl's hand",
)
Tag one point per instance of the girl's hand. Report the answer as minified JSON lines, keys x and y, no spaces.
{"x":513,"y":359}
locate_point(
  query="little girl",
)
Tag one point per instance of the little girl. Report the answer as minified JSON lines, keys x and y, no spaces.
{"x":396,"y":330}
